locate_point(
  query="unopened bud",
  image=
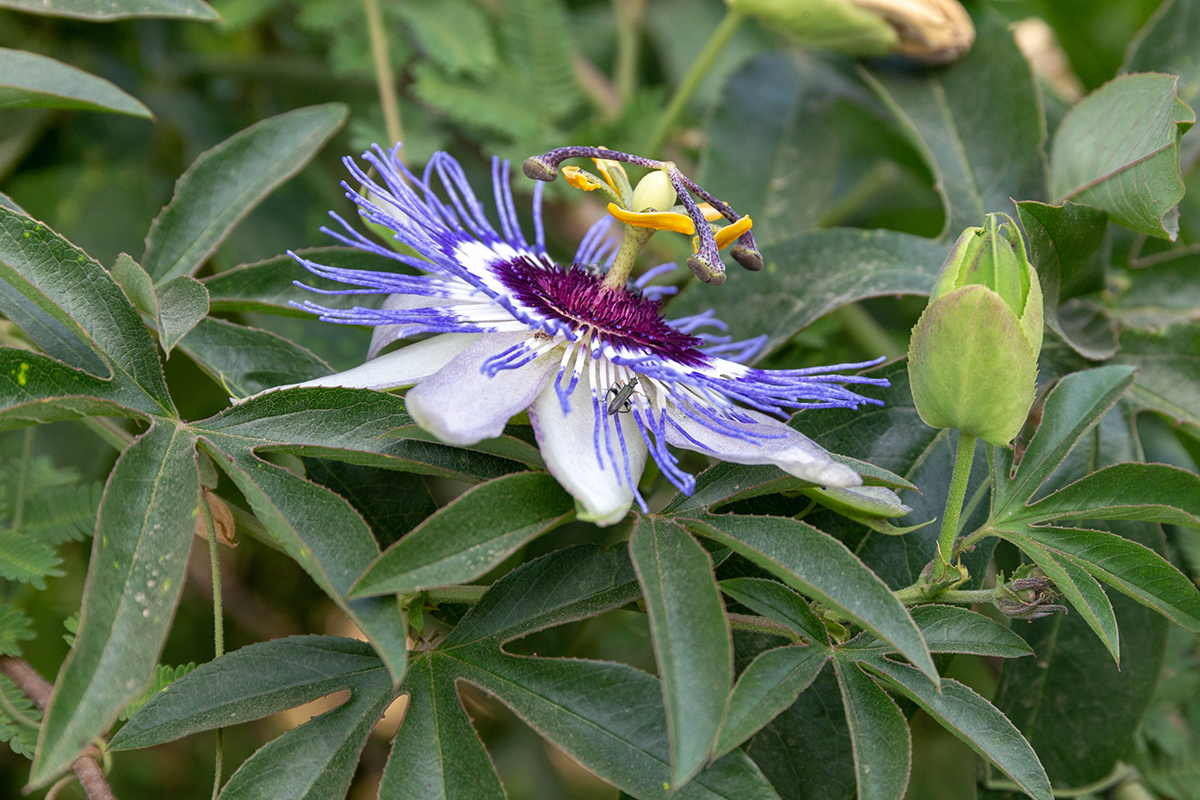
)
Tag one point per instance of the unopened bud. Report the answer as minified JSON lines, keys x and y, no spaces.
{"x":972,"y":360}
{"x":654,"y":192}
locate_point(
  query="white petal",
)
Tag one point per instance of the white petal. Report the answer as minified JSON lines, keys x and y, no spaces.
{"x":386,"y":334}
{"x":402,"y":367}
{"x":788,"y":449}
{"x":461,"y":405}
{"x":568,"y":443}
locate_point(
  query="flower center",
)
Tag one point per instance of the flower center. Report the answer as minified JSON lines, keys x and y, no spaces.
{"x":621,"y":318}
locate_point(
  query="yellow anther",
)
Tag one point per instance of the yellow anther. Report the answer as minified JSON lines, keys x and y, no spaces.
{"x":710,"y":213}
{"x":655,"y":220}
{"x":582,"y":179}
{"x":729,"y":234}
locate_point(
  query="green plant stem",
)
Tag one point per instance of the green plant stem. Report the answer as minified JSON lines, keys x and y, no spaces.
{"x":691,"y":82}
{"x":218,"y":622}
{"x":866,"y":332}
{"x":632,"y":242}
{"x":108,"y":430}
{"x":383,"y":71}
{"x":18,"y":514}
{"x":963,"y":458}
{"x":629,"y":18}
{"x":1120,"y":773}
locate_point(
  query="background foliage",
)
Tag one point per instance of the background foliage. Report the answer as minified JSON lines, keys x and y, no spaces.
{"x":156,"y":163}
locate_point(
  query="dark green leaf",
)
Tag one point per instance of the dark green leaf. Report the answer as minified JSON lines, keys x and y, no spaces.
{"x":269,"y":286}
{"x":774,"y":600}
{"x":249,"y":684}
{"x":226,"y":182}
{"x":567,"y":585}
{"x":467,"y":538}
{"x":182,"y":303}
{"x":809,"y":275}
{"x":974,"y":720}
{"x":116,"y":9}
{"x":1119,"y":150}
{"x":882,"y":742}
{"x":1080,"y":589}
{"x":1067,"y":248}
{"x":322,"y":533}
{"x":248,"y":360}
{"x":691,"y":638}
{"x":977,"y":123}
{"x":817,"y":565}
{"x":1072,"y":409}
{"x":1168,"y":364}
{"x":437,"y":754}
{"x":139,"y":554}
{"x":1150,"y":492}
{"x":1125,"y":565}
{"x":73,"y":310}
{"x":28,"y":80}
{"x":137,"y":285}
{"x":392,"y":503}
{"x":298,"y":421}
{"x":35,"y":388}
{"x":948,"y":629}
{"x":1167,"y":44}
{"x":772,"y":682}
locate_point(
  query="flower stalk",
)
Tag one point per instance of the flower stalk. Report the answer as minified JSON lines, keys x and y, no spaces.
{"x":964,"y":457}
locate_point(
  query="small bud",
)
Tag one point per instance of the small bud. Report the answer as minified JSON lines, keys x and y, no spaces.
{"x":973,"y":356}
{"x":654,"y":192}
{"x":536,"y":168}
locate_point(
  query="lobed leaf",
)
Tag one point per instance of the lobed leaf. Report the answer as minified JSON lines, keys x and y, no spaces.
{"x":35,"y":388}
{"x":691,"y":639}
{"x":948,"y":629}
{"x":778,"y":602}
{"x":1129,"y":490}
{"x":879,"y":732}
{"x":245,"y":360}
{"x":182,"y":303}
{"x":772,"y":682}
{"x":29,"y":80}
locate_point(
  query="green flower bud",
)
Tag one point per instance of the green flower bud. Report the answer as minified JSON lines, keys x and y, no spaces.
{"x":972,"y":360}
{"x":654,"y":192}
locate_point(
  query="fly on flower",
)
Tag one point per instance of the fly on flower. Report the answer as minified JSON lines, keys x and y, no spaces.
{"x":515,"y":331}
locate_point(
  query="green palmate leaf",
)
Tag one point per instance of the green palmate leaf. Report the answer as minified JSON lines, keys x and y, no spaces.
{"x":769,"y":150}
{"x":517,"y":443}
{"x":138,"y":286}
{"x":182,"y":303}
{"x":1127,"y":566}
{"x":28,"y":80}
{"x":821,"y":567}
{"x":1067,"y":247}
{"x":15,"y":627}
{"x":298,"y":421}
{"x":467,"y":538}
{"x":1071,"y":410}
{"x":226,"y":182}
{"x":299,"y":515}
{"x":74,"y":311}
{"x":774,"y":600}
{"x":879,"y":731}
{"x":316,"y":760}
{"x":690,"y":633}
{"x":809,"y":275}
{"x":249,"y":360}
{"x":772,"y":682}
{"x":27,"y":560}
{"x":977,"y":123}
{"x":948,"y":629}
{"x":437,"y":754}
{"x":1150,"y":492}
{"x":35,"y":388}
{"x":1168,"y":364}
{"x":392,"y":503}
{"x":116,"y":9}
{"x":139,"y":554}
{"x":1119,"y":150}
{"x":1165,"y":45}
{"x":975,"y":721}
{"x":269,"y":286}
{"x":1079,"y":588}
{"x":1074,"y":705}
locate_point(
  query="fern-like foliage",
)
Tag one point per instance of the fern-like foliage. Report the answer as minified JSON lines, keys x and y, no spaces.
{"x":538,"y":32}
{"x":164,"y":676}
{"x":26,"y":560}
{"x":19,"y":735}
{"x":15,"y":627}
{"x":63,"y":513}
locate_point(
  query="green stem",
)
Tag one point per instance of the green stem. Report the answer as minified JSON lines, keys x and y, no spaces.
{"x":383,"y":71}
{"x":963,"y":458}
{"x":1121,"y":772}
{"x":866,"y":332}
{"x":691,"y":82}
{"x":18,"y":515}
{"x":108,"y":430}
{"x":632,"y":242}
{"x":629,"y":17}
{"x":218,"y":622}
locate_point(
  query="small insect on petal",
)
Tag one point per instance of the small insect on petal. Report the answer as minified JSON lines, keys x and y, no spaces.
{"x":621,"y":396}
